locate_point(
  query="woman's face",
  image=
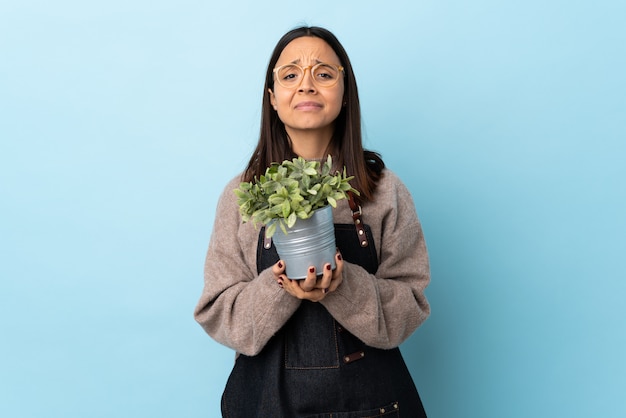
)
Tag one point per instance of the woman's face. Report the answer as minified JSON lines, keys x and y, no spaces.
{"x":308,"y":107}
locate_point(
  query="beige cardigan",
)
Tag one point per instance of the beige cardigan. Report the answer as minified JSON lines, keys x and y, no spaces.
{"x":243,"y":310}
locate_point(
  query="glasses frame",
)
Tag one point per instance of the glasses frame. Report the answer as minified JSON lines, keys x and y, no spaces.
{"x":311,"y":69}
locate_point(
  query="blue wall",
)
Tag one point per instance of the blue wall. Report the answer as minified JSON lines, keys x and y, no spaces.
{"x":120,"y":122}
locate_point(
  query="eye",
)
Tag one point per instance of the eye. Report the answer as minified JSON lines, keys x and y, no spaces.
{"x":289,"y":73}
{"x":325,"y":72}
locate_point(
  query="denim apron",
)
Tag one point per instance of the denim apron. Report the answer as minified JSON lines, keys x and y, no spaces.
{"x":315,"y":368}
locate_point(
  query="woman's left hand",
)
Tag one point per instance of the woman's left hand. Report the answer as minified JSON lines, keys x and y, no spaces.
{"x":313,"y":288}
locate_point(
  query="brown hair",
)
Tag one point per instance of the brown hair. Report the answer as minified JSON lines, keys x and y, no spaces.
{"x":346,"y":144}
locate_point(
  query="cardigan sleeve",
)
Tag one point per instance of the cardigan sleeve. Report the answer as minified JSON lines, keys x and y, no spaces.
{"x":384,"y":309}
{"x":238,"y":307}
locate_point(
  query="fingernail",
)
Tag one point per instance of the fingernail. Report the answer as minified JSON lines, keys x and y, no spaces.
{"x":327,"y":266}
{"x":280,"y":283}
{"x":325,"y":291}
{"x":280,"y":265}
{"x":311,"y":269}
{"x":339,"y":257}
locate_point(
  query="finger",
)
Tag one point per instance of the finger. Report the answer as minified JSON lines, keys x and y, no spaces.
{"x":309,"y":282}
{"x":278,"y":268}
{"x":338,"y":265}
{"x":337,"y":273}
{"x":327,"y":276}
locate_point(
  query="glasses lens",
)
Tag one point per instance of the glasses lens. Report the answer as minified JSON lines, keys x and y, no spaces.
{"x":325,"y":74}
{"x":289,"y":75}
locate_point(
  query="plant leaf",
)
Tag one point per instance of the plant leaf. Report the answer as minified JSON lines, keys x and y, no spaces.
{"x":270,"y":230}
{"x":286,"y":209}
{"x":291,"y":220}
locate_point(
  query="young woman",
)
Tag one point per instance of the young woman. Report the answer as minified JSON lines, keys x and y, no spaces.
{"x":325,"y":345}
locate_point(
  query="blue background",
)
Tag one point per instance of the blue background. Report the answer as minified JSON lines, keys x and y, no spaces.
{"x":121,"y":121}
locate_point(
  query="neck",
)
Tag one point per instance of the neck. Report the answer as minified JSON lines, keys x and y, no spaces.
{"x":310,"y":145}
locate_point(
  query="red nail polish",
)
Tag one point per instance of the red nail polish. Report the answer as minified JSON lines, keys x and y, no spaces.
{"x":327,"y":266}
{"x":312,"y":269}
{"x":280,"y":265}
{"x":339,"y":257}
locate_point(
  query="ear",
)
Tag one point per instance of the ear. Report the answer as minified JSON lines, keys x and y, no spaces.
{"x":272,"y":98}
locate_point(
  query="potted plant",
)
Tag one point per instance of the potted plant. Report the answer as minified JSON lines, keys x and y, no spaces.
{"x":296,"y":196}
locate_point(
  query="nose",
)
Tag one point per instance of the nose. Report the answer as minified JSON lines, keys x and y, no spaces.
{"x":307,"y":81}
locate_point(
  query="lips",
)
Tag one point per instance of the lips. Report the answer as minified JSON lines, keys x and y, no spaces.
{"x":308,"y":106}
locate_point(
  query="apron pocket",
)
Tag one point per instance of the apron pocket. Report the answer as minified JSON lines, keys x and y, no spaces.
{"x":311,"y":339}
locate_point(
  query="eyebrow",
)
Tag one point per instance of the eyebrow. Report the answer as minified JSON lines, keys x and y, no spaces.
{"x":298,"y":61}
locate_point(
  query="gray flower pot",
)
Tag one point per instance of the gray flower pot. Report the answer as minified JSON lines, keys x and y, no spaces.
{"x":311,"y":242}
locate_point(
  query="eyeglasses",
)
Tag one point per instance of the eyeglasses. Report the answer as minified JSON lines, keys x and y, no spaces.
{"x":324,"y":75}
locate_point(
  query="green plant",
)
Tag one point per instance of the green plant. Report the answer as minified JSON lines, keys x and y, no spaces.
{"x":290,"y":190}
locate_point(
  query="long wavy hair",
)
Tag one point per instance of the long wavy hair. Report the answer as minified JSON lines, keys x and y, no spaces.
{"x":346,"y":145}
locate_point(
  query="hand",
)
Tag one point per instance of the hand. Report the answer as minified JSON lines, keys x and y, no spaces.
{"x":311,"y":288}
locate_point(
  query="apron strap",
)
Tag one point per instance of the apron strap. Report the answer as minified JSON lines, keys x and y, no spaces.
{"x":356,"y":217}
